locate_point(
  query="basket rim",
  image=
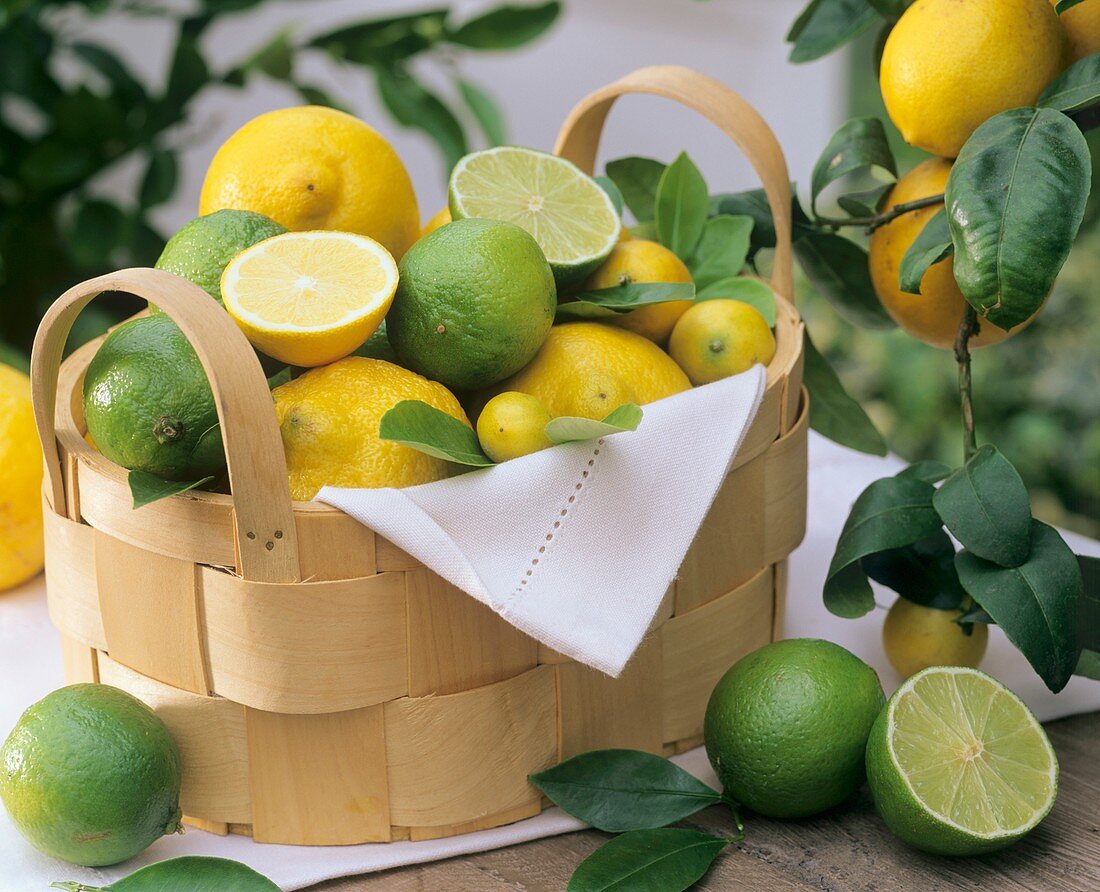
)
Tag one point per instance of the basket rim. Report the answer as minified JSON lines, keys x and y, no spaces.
{"x":71,"y":430}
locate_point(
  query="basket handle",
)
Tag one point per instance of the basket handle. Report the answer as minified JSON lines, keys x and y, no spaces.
{"x":579,"y":139}
{"x":266,"y":540}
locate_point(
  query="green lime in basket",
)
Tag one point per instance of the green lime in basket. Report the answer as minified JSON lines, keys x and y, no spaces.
{"x":957,"y":764}
{"x":91,"y":775}
{"x":571,"y":217}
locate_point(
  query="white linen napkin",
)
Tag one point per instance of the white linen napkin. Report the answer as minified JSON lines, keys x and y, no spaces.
{"x":577,"y":544}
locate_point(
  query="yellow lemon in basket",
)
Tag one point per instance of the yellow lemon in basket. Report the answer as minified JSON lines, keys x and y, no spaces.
{"x":20,"y":482}
{"x":948,"y":66}
{"x":329,"y":421}
{"x":315,"y":168}
{"x":638,"y":261}
{"x":933,"y":316}
{"x":310,"y":298}
{"x":513,"y":424}
{"x":1082,"y":26}
{"x":916,"y":637}
{"x":719,"y":338}
{"x":588,"y":369}
{"x":442,"y":218}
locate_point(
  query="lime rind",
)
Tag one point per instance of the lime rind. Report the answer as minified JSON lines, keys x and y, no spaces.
{"x":1004,"y":778}
{"x":573,"y":220}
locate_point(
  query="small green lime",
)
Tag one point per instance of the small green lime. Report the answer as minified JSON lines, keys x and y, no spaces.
{"x":148,"y":405}
{"x":202,"y":249}
{"x":958,"y":765}
{"x":786,"y":726}
{"x":475,"y":301}
{"x":91,"y":775}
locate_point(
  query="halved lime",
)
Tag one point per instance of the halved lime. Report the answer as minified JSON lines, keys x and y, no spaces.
{"x":958,"y":765}
{"x":571,"y":217}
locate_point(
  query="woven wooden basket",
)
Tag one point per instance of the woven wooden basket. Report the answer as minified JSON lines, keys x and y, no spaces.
{"x":323,"y":686}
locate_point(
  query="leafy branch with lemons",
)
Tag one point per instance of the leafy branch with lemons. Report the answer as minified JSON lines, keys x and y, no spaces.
{"x":964,"y":250}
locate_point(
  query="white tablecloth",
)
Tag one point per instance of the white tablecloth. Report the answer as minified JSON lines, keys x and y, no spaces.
{"x":30,"y":668}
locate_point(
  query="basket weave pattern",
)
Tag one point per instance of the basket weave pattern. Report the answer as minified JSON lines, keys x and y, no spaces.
{"x":323,"y":686}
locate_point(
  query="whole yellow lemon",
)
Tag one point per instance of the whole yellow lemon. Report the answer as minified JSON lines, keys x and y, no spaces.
{"x":719,"y":338}
{"x":588,"y":369}
{"x":310,"y":167}
{"x":916,"y":637}
{"x":949,"y":65}
{"x":934,"y":315}
{"x":1082,"y":26}
{"x":20,"y":482}
{"x":638,"y":261}
{"x":329,"y":420}
{"x":511,"y":425}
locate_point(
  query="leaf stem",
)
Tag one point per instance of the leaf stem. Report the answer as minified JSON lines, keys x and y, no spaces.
{"x":875,"y":221}
{"x":968,"y":328}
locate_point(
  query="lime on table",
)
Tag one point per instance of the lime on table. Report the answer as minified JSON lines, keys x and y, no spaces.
{"x":91,"y":775}
{"x":310,"y":298}
{"x":570,"y":216}
{"x":957,"y":764}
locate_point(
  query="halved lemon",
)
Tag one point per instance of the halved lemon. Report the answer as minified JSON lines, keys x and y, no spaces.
{"x":310,"y":298}
{"x":570,"y":216}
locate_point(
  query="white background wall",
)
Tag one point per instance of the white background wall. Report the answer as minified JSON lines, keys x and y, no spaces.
{"x":738,"y":41}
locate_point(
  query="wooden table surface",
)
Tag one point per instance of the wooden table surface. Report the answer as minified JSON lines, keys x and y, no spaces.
{"x":846,"y":849}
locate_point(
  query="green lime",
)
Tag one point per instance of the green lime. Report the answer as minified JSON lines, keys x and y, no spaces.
{"x":474,"y":303}
{"x":571,"y":217}
{"x":91,"y":775}
{"x":786,"y":726}
{"x":202,"y":249}
{"x":377,"y":346}
{"x":148,"y":405}
{"x":957,"y":764}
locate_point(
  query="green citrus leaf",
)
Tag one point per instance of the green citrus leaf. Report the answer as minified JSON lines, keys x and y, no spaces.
{"x":833,"y":413}
{"x":866,"y":203}
{"x":753,"y":203}
{"x":681,"y":206}
{"x":621,"y":299}
{"x":890,"y":513}
{"x":485,"y":109}
{"x":159,"y":181}
{"x":668,"y":860}
{"x":1075,"y":88}
{"x":146,"y":488}
{"x":1063,"y":5}
{"x":923,"y":572}
{"x":826,"y":25}
{"x":838,"y":269}
{"x":1088,"y":623}
{"x":506,"y":27}
{"x":722,"y":249}
{"x":191,"y":873}
{"x":859,"y":145}
{"x":985,"y":506}
{"x":1088,"y":666}
{"x":750,"y":291}
{"x":932,"y":246}
{"x":608,"y":186}
{"x":1015,"y":200}
{"x":637,"y":179}
{"x":929,"y":471}
{"x":1035,"y":603}
{"x":570,"y":429}
{"x":414,"y":105}
{"x":385,"y":41}
{"x":618,"y":790}
{"x":429,"y":430}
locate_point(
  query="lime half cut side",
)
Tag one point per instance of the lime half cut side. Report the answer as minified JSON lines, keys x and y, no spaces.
{"x":570,"y":216}
{"x":958,"y":765}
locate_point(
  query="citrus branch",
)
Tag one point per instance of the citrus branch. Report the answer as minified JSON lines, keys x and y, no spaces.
{"x":876,"y":221}
{"x":967,"y":329}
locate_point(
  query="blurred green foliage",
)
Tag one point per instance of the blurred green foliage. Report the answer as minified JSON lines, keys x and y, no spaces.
{"x":1037,"y":395}
{"x":71,"y":110}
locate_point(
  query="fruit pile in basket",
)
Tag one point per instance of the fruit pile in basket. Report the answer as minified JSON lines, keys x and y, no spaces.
{"x":526,"y":305}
